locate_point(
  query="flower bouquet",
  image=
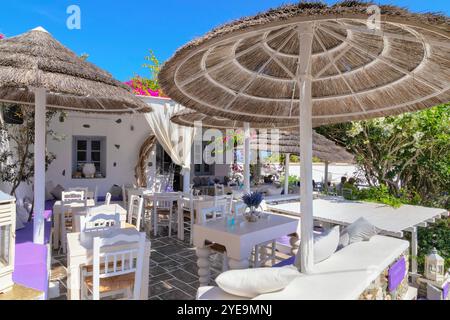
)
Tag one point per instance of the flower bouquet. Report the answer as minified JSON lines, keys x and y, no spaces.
{"x":252,"y":201}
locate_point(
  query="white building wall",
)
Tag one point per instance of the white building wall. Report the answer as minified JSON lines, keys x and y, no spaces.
{"x":123,"y":141}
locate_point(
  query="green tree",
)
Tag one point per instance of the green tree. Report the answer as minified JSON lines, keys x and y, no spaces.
{"x":16,"y":154}
{"x":407,"y":153}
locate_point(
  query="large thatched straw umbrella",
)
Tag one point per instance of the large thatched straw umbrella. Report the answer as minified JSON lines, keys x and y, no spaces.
{"x":315,"y":64}
{"x":37,"y":70}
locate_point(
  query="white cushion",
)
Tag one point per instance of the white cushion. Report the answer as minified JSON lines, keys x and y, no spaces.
{"x":360,"y":230}
{"x":325,"y":244}
{"x":215,"y":293}
{"x":346,"y":274}
{"x":250,"y":283}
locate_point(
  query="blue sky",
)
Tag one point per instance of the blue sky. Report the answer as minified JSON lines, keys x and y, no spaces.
{"x":118,"y":34}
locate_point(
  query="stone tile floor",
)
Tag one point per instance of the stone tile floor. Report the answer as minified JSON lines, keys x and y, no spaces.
{"x":173,"y":269}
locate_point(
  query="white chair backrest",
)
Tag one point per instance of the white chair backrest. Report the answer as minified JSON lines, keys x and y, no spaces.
{"x":211,"y":214}
{"x":165,"y":200}
{"x":73,"y":197}
{"x":219,"y":189}
{"x":84,"y":189}
{"x":98,"y":220}
{"x":108,"y":199}
{"x":239,"y":208}
{"x":224,"y":201}
{"x":190,"y":196}
{"x":135,"y":209}
{"x":124,"y":261}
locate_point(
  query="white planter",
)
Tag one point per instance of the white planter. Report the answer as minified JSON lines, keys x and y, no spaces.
{"x":89,"y":170}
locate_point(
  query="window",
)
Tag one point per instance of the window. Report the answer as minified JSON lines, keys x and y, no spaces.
{"x":89,"y":150}
{"x":204,"y":169}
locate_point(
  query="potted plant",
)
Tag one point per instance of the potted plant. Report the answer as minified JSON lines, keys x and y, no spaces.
{"x":252,"y":200}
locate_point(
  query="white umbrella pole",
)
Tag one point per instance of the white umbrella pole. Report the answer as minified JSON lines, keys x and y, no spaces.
{"x":186,"y":180}
{"x":39,"y":165}
{"x":286,"y":174}
{"x":246,"y":157}
{"x":306,"y":188}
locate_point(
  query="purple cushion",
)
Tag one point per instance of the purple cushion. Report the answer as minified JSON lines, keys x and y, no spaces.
{"x":286,"y":262}
{"x":26,"y":234}
{"x":30,"y":266}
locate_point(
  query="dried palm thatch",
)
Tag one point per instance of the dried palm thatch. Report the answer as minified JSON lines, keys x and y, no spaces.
{"x":188,"y":118}
{"x":35,"y":59}
{"x":285,"y":142}
{"x":247,"y":70}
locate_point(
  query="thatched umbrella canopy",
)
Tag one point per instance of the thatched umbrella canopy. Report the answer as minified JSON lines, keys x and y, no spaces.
{"x":37,"y":70}
{"x":315,"y":64}
{"x":189,"y":117}
{"x":37,"y":60}
{"x":247,"y":70}
{"x":324,"y":149}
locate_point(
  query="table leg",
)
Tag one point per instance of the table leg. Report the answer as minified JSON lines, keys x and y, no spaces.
{"x":203,"y":265}
{"x":56,"y":228}
{"x":180,"y":221}
{"x":73,"y":282}
{"x":414,"y":250}
{"x":155,"y":219}
{"x":238,"y":264}
{"x":145,"y":272}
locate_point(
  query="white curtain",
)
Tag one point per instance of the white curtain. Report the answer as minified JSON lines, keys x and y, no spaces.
{"x":176,"y":140}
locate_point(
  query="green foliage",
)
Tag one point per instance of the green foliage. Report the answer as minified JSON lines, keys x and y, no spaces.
{"x":408,"y":153}
{"x":436,"y":236}
{"x":293,"y":180}
{"x":380,"y":195}
{"x":17,"y":157}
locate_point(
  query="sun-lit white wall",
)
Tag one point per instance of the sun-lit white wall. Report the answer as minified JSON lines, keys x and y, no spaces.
{"x":124,"y":136}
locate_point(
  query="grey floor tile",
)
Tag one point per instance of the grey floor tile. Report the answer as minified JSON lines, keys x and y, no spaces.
{"x":176,"y":295}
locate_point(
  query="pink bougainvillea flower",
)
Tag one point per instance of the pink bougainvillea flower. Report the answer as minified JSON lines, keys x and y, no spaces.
{"x":2,"y":36}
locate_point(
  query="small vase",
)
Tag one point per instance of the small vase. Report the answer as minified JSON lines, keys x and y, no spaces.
{"x":89,"y":170}
{"x":252,"y":215}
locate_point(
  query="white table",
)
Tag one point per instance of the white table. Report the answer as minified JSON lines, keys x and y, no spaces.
{"x":77,"y":210}
{"x":199,"y":203}
{"x":392,"y":221}
{"x":239,"y":241}
{"x":78,"y":256}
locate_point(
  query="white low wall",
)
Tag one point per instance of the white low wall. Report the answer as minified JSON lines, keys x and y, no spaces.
{"x":335,"y":171}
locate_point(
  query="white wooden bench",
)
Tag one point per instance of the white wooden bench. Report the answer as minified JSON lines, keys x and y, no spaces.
{"x":343,"y":276}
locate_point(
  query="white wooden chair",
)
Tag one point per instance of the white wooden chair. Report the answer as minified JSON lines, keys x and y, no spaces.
{"x":211,"y":214}
{"x":115,"y":271}
{"x":163,"y":207}
{"x":108,"y":199}
{"x":98,"y":220}
{"x":189,"y":215}
{"x":225,"y":201}
{"x":68,"y":199}
{"x":135,"y":211}
{"x":83,"y":189}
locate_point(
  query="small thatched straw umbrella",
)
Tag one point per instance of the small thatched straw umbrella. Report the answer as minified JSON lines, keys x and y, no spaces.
{"x":36,"y":70}
{"x":315,"y":64}
{"x":191,"y":118}
{"x":288,"y":143}
{"x":268,"y":139}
